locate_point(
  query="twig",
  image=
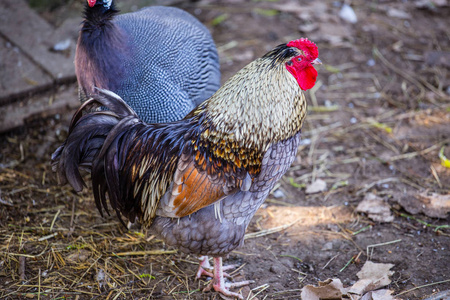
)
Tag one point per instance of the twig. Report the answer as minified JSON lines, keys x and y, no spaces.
{"x":26,"y":255}
{"x":369,"y":256}
{"x":292,"y":256}
{"x":85,"y":272}
{"x":378,"y":182}
{"x":435,"y":175}
{"x":141,"y":253}
{"x":323,"y":268}
{"x":405,"y":75}
{"x":22,"y":260}
{"x":54,"y":219}
{"x":268,"y":231}
{"x":362,"y":229}
{"x":413,"y":154}
{"x":383,"y":142}
{"x":286,"y":291}
{"x":262,"y":288}
{"x":48,"y":237}
{"x":437,"y":227}
{"x":422,"y":286}
{"x":320,"y":108}
{"x":321,"y":129}
{"x":346,"y":265}
{"x":72,"y":217}
{"x":39,"y":284}
{"x":354,"y":258}
{"x":21,"y":241}
{"x":238,"y":269}
{"x":312,"y":93}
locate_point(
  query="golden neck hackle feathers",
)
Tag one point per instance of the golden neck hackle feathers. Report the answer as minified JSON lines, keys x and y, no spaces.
{"x":260,"y":105}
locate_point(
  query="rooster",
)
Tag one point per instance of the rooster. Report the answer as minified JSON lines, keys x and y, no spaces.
{"x":197,"y":182}
{"x":161,"y":60}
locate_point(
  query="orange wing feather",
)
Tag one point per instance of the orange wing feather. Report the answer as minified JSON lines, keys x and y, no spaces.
{"x":209,"y":172}
{"x":195,"y":192}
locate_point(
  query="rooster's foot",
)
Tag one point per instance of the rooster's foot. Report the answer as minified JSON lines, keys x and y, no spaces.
{"x":225,"y":290}
{"x":218,"y":281}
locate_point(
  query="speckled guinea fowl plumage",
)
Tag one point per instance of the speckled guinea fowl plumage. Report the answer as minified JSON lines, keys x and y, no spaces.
{"x":196,"y":182}
{"x":161,"y":60}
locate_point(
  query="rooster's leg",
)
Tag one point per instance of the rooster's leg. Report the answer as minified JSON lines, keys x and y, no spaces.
{"x":218,"y":282}
{"x":205,"y":269}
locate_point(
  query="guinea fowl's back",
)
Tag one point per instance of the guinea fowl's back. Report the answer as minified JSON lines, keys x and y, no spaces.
{"x":182,"y":54}
{"x":161,"y":60}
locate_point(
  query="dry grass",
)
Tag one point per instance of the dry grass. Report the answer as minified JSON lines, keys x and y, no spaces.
{"x":375,"y":130}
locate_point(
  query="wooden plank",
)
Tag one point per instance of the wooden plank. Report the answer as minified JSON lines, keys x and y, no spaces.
{"x":19,"y":113}
{"x":26,"y":51}
{"x":19,"y":76}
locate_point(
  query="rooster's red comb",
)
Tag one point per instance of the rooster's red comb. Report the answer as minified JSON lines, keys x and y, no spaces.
{"x":306,"y":46}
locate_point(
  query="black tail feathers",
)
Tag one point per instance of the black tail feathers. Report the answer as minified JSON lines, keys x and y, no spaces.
{"x":88,"y":133}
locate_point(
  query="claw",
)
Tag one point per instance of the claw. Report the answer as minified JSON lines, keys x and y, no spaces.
{"x":218,"y":281}
{"x":239,"y":284}
{"x":223,"y":290}
{"x":229,"y":267}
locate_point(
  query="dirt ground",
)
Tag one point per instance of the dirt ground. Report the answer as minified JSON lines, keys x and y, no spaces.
{"x":378,"y":118}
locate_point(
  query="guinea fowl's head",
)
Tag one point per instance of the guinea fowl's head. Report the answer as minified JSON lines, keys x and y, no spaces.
{"x":105,"y":3}
{"x":301,"y":64}
{"x":96,"y":12}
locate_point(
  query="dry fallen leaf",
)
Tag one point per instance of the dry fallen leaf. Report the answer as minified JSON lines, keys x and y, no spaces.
{"x":431,"y":204}
{"x":375,"y":208}
{"x":328,"y":289}
{"x":372,"y":276}
{"x":316,"y":187}
{"x":436,"y":205}
{"x":348,"y":14}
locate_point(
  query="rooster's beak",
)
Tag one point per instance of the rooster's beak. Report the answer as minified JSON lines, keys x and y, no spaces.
{"x":316,"y":62}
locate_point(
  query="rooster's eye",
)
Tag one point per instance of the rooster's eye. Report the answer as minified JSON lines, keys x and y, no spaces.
{"x":299,"y":59}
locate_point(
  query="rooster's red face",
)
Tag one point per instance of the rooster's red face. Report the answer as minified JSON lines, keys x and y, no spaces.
{"x":91,"y":3}
{"x":301,"y":66}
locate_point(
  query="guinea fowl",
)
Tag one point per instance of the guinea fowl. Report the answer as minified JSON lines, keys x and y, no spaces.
{"x":197,"y":182}
{"x":161,"y":60}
